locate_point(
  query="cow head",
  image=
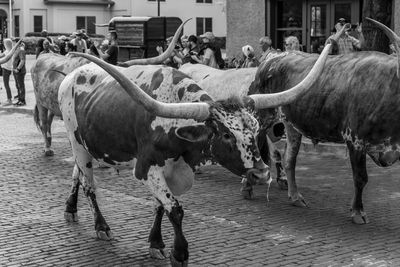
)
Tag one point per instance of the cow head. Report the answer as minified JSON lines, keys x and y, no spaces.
{"x":231,"y":132}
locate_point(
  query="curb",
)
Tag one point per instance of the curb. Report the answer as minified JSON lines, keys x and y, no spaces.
{"x":22,"y":110}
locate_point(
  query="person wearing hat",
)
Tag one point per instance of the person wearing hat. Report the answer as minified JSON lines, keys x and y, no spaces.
{"x":111,"y":54}
{"x":347,"y":43}
{"x":250,"y":60}
{"x":207,"y":53}
{"x":79,"y":43}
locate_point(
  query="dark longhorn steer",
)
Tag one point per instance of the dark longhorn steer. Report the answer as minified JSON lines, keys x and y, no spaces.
{"x":356,"y":101}
{"x":118,"y":123}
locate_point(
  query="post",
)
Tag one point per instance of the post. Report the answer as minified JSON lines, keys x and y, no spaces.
{"x":10,"y":31}
{"x":158,"y":8}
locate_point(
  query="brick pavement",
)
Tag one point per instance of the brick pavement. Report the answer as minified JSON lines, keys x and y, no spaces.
{"x":222,"y":229}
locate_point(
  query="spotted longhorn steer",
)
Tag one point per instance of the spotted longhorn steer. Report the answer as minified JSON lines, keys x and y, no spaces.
{"x":163,"y":121}
{"x":49,"y":71}
{"x":356,"y":101}
{"x":223,"y":84}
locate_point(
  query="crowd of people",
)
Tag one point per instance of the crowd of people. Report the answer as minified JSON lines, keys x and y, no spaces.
{"x":191,"y":50}
{"x":77,"y":41}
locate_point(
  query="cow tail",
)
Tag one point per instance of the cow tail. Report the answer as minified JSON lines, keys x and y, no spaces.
{"x":36,"y":117}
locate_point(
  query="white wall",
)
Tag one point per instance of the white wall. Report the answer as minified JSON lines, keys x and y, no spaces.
{"x":184,"y":9}
{"x":58,"y":17}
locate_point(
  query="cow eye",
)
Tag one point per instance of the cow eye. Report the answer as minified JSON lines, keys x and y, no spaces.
{"x":226,"y":136}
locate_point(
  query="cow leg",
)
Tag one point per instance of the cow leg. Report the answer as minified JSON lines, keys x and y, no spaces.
{"x":276,"y":157}
{"x":360,"y":178}
{"x":49,"y":122}
{"x":45,"y":129}
{"x":157,"y":245}
{"x":71,"y":205}
{"x":293,"y":141}
{"x":159,"y":188}
{"x":85,"y":165}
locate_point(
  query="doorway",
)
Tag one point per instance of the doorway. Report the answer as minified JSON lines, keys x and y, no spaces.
{"x":322,"y":17}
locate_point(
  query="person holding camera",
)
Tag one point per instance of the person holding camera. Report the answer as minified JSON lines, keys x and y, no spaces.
{"x":347,"y":43}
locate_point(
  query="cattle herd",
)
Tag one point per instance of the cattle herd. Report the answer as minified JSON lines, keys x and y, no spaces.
{"x":165,"y":122}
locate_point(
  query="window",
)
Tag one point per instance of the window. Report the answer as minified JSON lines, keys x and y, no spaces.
{"x":204,"y":1}
{"x":86,"y":23}
{"x":203,"y":25}
{"x":16,"y":25}
{"x":37,"y":23}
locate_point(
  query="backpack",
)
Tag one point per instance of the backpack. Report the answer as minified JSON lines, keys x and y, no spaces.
{"x":218,"y":58}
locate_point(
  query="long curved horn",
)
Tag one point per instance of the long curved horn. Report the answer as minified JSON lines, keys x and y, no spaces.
{"x":393,"y":37}
{"x":286,"y":97}
{"x":160,"y":58}
{"x":10,"y":54}
{"x":197,"y":111}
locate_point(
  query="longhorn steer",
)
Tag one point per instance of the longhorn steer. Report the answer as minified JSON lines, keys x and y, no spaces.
{"x":117,"y":123}
{"x":356,"y":101}
{"x":49,"y":71}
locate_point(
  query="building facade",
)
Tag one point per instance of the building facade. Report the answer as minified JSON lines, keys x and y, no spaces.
{"x":311,"y":21}
{"x":66,"y":16}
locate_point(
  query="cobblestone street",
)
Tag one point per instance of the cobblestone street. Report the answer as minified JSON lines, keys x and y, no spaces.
{"x":222,"y":228}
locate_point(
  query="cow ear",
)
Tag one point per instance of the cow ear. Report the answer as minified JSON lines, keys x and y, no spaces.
{"x":194,"y":133}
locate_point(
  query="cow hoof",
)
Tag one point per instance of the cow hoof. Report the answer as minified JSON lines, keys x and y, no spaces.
{"x":49,"y":153}
{"x":71,"y":217}
{"x":359,"y":218}
{"x":299,"y":202}
{"x":282,"y":183}
{"x":158,"y":253}
{"x":104,"y":235}
{"x":176,"y":263}
{"x":247,"y":193}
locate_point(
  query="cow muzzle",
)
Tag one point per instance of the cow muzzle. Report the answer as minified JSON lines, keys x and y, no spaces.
{"x":260,"y":174}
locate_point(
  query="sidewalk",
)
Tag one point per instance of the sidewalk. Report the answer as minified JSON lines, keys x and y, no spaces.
{"x":306,"y":146}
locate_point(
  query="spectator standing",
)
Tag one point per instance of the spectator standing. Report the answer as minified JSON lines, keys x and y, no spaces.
{"x":46,"y":48}
{"x":7,"y":70}
{"x":63,"y":40}
{"x":292,"y":44}
{"x":250,"y":60}
{"x":347,"y":43}
{"x":193,"y":49}
{"x":207,"y":54}
{"x":39,"y":46}
{"x":185,"y":46}
{"x":19,"y":60}
{"x":111,"y":54}
{"x":79,"y":43}
{"x":266,"y":47}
